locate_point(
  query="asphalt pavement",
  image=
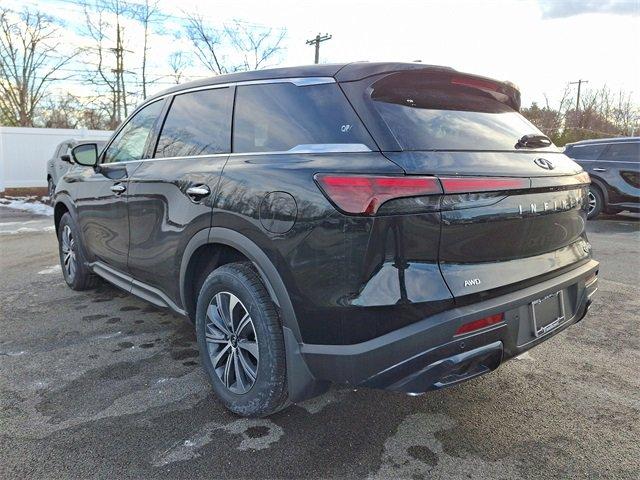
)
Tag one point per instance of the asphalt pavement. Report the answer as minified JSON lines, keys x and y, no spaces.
{"x":101,"y":384}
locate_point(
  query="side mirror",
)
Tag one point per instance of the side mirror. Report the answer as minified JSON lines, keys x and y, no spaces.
{"x":85,"y":154}
{"x":65,"y":158}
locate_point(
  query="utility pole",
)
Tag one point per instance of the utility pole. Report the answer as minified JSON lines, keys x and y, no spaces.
{"x":119,"y":71}
{"x":579,"y":83}
{"x":316,"y":41}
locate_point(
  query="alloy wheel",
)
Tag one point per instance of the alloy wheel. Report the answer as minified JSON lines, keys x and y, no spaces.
{"x":68,"y":252}
{"x":232,"y":343}
{"x":592,"y":202}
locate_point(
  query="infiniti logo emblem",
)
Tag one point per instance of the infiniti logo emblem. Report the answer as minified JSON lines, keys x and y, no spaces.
{"x":544,"y":163}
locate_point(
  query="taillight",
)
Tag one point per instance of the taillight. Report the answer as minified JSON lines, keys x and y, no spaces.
{"x":363,"y":194}
{"x":482,"y":184}
{"x":478,"y":324}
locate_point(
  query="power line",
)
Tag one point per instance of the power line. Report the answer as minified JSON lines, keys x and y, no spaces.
{"x":316,"y":41}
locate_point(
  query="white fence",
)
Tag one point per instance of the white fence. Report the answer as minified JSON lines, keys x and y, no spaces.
{"x":24,"y":153}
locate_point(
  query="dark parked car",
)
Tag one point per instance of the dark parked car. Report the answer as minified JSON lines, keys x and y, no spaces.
{"x":386,"y":225}
{"x":614,"y":167}
{"x":60,"y":162}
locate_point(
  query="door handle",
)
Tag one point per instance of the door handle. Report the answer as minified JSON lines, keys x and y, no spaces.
{"x":598,"y":169}
{"x":197,"y":192}
{"x":118,"y":188}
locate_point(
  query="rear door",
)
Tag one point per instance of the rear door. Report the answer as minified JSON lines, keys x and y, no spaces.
{"x":171,"y":194}
{"x":511,"y":211}
{"x":619,"y":167}
{"x":101,"y":193}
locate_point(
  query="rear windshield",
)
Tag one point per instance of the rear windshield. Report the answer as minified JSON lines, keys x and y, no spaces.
{"x":447,"y":112}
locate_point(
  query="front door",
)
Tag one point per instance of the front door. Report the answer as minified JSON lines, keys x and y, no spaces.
{"x":102,"y":191}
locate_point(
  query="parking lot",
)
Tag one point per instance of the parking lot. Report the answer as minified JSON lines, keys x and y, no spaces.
{"x":102,"y":384}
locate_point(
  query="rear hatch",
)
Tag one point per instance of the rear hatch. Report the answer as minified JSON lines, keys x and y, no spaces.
{"x":513,"y":204}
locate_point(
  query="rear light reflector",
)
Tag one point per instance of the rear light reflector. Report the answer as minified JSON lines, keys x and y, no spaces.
{"x":478,"y":324}
{"x":482,"y":184}
{"x":363,"y":194}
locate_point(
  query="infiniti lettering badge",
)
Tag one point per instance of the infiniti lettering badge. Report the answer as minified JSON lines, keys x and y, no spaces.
{"x":544,"y":163}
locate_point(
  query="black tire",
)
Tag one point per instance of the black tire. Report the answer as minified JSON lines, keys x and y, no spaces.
{"x":596,"y":202}
{"x":51,"y":188}
{"x":74,"y":266}
{"x":266,"y":393}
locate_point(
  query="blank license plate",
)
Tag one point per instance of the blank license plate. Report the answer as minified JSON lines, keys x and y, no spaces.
{"x":547,"y":313}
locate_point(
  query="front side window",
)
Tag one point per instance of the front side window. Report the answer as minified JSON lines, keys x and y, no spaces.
{"x":198,"y":123}
{"x":448,"y":112}
{"x":280,"y":116}
{"x":130,"y":142}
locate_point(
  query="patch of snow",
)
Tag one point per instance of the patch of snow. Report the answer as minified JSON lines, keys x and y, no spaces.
{"x":28,"y":230}
{"x":50,"y":270}
{"x":28,"y":204}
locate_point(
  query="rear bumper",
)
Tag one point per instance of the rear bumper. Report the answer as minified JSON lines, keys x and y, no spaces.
{"x":427,"y":355}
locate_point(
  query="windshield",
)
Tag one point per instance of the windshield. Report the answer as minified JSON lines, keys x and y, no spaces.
{"x":448,"y":112}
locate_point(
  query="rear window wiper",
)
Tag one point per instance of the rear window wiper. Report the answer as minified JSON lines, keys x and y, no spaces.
{"x":533,"y":140}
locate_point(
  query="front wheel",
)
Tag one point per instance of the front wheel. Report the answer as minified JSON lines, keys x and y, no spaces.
{"x":51,"y":189}
{"x":74,"y":267}
{"x":241,"y":342}
{"x":596,"y":203}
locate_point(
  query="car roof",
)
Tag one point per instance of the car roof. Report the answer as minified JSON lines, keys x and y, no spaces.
{"x":599,"y":141}
{"x":342,"y":72}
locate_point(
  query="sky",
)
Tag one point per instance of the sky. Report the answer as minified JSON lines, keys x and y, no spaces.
{"x":540,"y":45}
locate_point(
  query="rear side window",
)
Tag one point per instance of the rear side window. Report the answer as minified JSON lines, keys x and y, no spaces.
{"x":448,"y":112}
{"x":198,"y":123}
{"x":586,"y":152}
{"x":280,"y":116}
{"x":623,"y":152}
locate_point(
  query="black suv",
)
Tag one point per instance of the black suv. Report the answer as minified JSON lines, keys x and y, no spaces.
{"x":385,"y":225}
{"x":614,"y":167}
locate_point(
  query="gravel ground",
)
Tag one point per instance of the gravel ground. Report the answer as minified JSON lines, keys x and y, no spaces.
{"x":101,"y":384}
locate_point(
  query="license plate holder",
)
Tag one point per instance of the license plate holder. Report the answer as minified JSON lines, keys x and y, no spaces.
{"x":547,"y":313}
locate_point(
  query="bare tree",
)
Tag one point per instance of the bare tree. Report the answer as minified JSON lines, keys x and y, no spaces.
{"x":30,"y":56}
{"x":60,"y":112}
{"x":207,"y":43}
{"x":178,"y":61}
{"x":107,"y":53}
{"x":146,"y":13}
{"x":601,"y":114}
{"x":256,"y":44}
{"x":253,"y":45}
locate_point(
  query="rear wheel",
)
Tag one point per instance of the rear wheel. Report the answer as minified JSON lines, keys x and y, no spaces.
{"x":74,"y":267}
{"x":596,"y":202}
{"x":240,"y":340}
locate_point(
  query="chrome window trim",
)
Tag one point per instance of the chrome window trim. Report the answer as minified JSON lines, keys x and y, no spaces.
{"x":597,"y":144}
{"x":297,"y":81}
{"x":603,"y":161}
{"x":313,"y":148}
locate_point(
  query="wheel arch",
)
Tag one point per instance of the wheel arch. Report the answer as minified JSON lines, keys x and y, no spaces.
{"x":225,"y":237}
{"x":599,"y":184}
{"x":301,"y":383}
{"x":63,"y":205}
